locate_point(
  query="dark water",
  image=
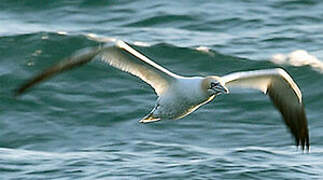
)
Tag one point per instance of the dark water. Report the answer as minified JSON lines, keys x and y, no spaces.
{"x":84,"y":124}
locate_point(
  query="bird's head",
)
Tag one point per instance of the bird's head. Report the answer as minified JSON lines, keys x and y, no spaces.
{"x":213,"y":85}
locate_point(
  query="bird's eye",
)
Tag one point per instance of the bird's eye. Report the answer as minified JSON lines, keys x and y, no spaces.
{"x":214,"y":84}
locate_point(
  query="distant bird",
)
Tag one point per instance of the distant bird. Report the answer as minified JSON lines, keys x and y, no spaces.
{"x":179,"y":96}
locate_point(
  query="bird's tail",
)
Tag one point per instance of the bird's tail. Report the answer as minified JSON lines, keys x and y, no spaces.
{"x":149,"y":118}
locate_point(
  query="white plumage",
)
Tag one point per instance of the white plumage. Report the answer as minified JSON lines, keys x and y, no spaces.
{"x":179,"y":96}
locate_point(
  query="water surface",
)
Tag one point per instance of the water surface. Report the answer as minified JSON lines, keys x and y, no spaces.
{"x":84,"y":123}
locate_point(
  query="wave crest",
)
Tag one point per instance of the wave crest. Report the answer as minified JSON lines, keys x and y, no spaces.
{"x":298,"y":58}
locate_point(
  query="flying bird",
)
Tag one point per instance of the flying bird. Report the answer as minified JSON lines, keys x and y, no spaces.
{"x":179,"y":96}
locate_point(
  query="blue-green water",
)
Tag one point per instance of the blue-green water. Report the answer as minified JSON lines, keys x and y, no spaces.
{"x":84,"y":124}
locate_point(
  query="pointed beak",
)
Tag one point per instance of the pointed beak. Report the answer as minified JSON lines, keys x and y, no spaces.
{"x":221,"y":89}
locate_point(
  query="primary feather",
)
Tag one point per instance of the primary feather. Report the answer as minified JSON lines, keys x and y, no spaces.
{"x":283,"y":92}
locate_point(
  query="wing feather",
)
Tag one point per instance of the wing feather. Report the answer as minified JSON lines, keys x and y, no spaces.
{"x":124,"y":57}
{"x":121,"y":56}
{"x":283,"y":92}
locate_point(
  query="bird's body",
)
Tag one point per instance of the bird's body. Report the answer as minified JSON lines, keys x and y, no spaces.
{"x":177,"y":102}
{"x":179,"y":96}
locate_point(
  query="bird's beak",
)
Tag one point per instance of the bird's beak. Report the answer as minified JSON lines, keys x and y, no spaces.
{"x":221,"y":89}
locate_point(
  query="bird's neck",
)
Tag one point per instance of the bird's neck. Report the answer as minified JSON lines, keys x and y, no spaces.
{"x":193,"y":87}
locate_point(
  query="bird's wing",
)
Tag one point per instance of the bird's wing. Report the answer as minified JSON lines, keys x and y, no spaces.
{"x":121,"y":56}
{"x":126,"y":58}
{"x":284,"y":94}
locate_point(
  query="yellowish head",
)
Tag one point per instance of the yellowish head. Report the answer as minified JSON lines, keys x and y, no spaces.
{"x":213,"y":85}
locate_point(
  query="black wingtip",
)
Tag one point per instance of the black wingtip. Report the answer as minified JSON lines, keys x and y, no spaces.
{"x":302,"y":139}
{"x":67,"y":64}
{"x":17,"y":92}
{"x":294,"y":117}
{"x":21,"y":90}
{"x":306,"y":143}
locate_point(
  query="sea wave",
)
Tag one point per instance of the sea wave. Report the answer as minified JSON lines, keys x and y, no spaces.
{"x":298,"y":58}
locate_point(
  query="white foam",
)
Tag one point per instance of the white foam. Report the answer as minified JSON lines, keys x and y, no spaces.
{"x":298,"y":58}
{"x":44,"y":37}
{"x":61,"y":32}
{"x":203,"y":49}
{"x":37,"y":52}
{"x":143,"y":44}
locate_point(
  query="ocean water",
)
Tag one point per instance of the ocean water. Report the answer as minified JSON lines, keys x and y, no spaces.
{"x":83,"y":124}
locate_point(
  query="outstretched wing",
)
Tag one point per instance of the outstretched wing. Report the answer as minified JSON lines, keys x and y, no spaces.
{"x":124,"y":57}
{"x":284,"y":94}
{"x":121,"y":56}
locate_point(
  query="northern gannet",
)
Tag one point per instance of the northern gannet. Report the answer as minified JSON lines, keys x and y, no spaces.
{"x":179,"y":96}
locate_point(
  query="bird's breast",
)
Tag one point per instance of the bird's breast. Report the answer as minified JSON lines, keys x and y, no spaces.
{"x":178,"y":104}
